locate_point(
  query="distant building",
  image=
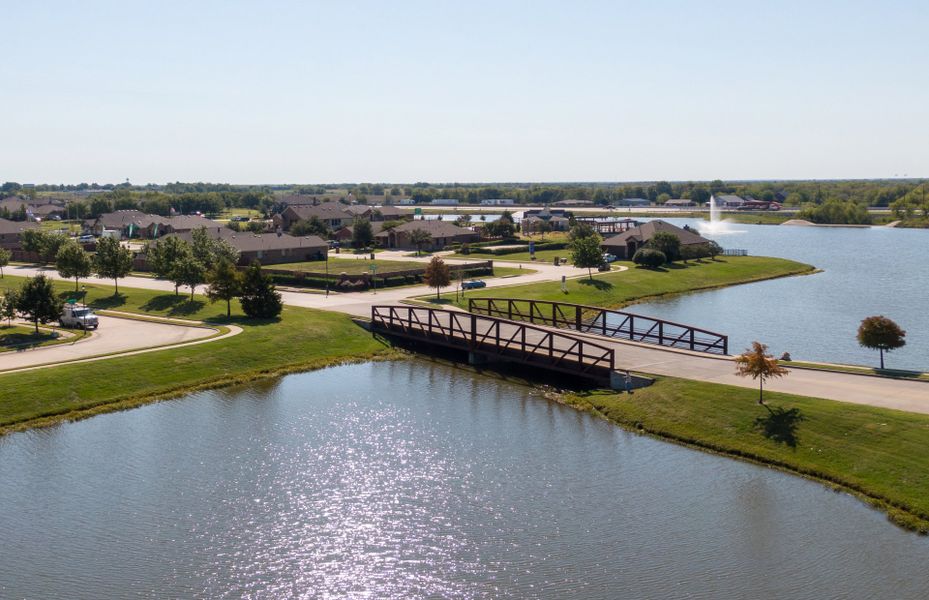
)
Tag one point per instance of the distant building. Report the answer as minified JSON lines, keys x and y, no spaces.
{"x":680,"y":202}
{"x":267,"y":248}
{"x":441,"y":234}
{"x":444,"y":202}
{"x":497,"y":202}
{"x":136,"y":224}
{"x":729,"y":201}
{"x":631,"y":202}
{"x":11,"y":233}
{"x":333,"y":214}
{"x":628,"y":242}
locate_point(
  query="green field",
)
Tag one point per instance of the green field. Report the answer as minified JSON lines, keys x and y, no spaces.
{"x":620,"y":288}
{"x":19,"y":337}
{"x":542,"y":256}
{"x":352,"y":266}
{"x":303,"y":339}
{"x":876,"y":452}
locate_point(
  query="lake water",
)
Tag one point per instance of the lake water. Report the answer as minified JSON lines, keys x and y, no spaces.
{"x":866,"y":271}
{"x":412,"y":480}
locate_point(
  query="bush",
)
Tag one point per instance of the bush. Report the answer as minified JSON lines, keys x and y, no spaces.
{"x":648,"y":257}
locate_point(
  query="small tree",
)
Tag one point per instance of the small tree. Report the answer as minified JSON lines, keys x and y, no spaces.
{"x":713,"y":249}
{"x":581,"y":230}
{"x":586,"y":254}
{"x":311,"y":226}
{"x":756,"y":363}
{"x":188,"y":271}
{"x":543,"y":227}
{"x":649,"y":258}
{"x":667,"y":243}
{"x":73,"y":261}
{"x":8,"y":304}
{"x":437,"y":274}
{"x":880,"y":333}
{"x":38,"y":302}
{"x":112,"y":261}
{"x":260,"y":299}
{"x":163,"y":255}
{"x":362,"y":233}
{"x":5,"y":256}
{"x":463,"y":220}
{"x":419,"y":238}
{"x":225,"y":284}
{"x":43,"y":243}
{"x":209,"y":251}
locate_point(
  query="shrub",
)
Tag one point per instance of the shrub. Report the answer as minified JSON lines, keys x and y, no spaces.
{"x":650,"y":258}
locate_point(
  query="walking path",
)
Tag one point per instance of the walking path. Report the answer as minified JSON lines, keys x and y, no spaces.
{"x":859,"y":389}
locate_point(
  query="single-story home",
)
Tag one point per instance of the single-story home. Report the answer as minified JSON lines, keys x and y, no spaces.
{"x":11,"y":233}
{"x":632,"y":202}
{"x":628,"y":242}
{"x":333,"y":214}
{"x":729,"y":201}
{"x":444,"y":202}
{"x":136,"y":224}
{"x":268,"y":248}
{"x":441,"y":234}
{"x":680,"y":202}
{"x":533,"y":223}
{"x":345,"y":234}
{"x":498,"y":202}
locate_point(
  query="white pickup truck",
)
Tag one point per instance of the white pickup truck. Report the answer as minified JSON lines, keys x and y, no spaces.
{"x":81,"y":317}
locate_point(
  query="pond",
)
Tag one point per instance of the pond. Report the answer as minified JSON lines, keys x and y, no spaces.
{"x":414,"y":480}
{"x":866,"y":271}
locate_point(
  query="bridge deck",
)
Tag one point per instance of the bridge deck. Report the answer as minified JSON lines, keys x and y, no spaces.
{"x":498,"y":338}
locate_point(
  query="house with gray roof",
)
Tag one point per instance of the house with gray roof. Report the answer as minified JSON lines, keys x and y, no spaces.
{"x":628,"y":242}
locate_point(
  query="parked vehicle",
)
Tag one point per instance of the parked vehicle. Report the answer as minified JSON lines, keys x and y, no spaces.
{"x":608,"y":258}
{"x":473,"y":284}
{"x":240,"y":219}
{"x":86,"y":238}
{"x":73,"y":315}
{"x":604,"y":267}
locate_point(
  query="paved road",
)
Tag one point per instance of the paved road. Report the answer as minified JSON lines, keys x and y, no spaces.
{"x":888,"y":393}
{"x":113,"y":335}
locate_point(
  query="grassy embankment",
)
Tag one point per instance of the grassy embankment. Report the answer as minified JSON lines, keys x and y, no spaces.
{"x":303,"y":339}
{"x":621,"y":288}
{"x":19,"y":337}
{"x":876,"y":453}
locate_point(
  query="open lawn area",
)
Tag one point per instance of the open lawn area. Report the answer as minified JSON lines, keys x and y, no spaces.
{"x":20,"y":337}
{"x":546,"y":256}
{"x":352,"y":266}
{"x":302,"y":339}
{"x":877,"y":452}
{"x":620,"y":288}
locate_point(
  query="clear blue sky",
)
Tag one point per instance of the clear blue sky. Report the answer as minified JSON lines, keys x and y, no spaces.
{"x":262,"y":92}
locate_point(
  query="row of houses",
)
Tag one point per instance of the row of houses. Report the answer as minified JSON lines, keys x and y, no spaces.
{"x":32,"y":211}
{"x":11,"y":233}
{"x":137,"y":224}
{"x":268,"y":248}
{"x":335,"y":214}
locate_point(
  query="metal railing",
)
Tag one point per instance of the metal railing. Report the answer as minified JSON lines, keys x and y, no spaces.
{"x":513,"y":341}
{"x":601,"y":321}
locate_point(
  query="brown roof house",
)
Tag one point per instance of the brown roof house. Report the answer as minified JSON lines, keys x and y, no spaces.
{"x":332,"y":214}
{"x":441,"y":234}
{"x":11,"y":233}
{"x":129,"y":223}
{"x":628,"y":242}
{"x":268,"y":248}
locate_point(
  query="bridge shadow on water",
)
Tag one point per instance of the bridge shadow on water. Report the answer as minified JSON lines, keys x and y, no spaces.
{"x":780,"y":425}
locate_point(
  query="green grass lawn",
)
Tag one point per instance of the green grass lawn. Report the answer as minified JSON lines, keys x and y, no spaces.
{"x":545,"y":256}
{"x":303,"y":339}
{"x":878,"y":452}
{"x":620,"y":288}
{"x":18,"y":337}
{"x":352,"y":266}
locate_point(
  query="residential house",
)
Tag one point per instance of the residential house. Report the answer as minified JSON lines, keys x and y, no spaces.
{"x":129,"y":223}
{"x":333,"y":214}
{"x":498,"y":202}
{"x":628,"y":242}
{"x":441,"y":234}
{"x":680,"y":203}
{"x":11,"y":233}
{"x":267,"y":248}
{"x":729,"y":201}
{"x":631,"y":202}
{"x":444,"y":202}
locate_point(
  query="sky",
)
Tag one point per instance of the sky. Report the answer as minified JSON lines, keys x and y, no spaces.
{"x":497,"y":91}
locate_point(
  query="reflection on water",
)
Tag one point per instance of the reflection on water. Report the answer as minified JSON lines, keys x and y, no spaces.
{"x":866,"y":271}
{"x":412,"y":480}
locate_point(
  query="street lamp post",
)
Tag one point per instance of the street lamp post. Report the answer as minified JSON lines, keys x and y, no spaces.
{"x":327,"y":272}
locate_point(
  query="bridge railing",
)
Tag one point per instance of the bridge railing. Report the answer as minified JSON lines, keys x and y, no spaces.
{"x":516,"y":341}
{"x":601,"y":321}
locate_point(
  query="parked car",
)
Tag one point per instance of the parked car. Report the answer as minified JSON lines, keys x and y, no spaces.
{"x":73,"y":315}
{"x":604,"y":267}
{"x":608,"y":258}
{"x":473,"y":284}
{"x":240,"y":219}
{"x":86,"y":238}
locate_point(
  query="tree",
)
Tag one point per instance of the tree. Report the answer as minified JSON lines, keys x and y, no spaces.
{"x":543,"y":227}
{"x":43,"y":243}
{"x":586,"y":253}
{"x":880,"y":333}
{"x":756,"y":363}
{"x":161,"y":256}
{"x":112,"y":261}
{"x":188,"y":271}
{"x":259,"y":299}
{"x":463,"y":220}
{"x":419,"y":238}
{"x":581,"y":230}
{"x":667,"y":243}
{"x":73,"y":261}
{"x":38,"y":302}
{"x":311,"y":226}
{"x":649,"y":258}
{"x":209,"y":251}
{"x":437,"y":274}
{"x":225,"y":284}
{"x":5,"y":256}
{"x":713,"y":249}
{"x":8,"y":304}
{"x":362,"y":233}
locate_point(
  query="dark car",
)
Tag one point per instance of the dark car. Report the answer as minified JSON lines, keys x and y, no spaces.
{"x":474,"y":284}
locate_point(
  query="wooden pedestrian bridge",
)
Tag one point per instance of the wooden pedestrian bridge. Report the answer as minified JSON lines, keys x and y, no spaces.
{"x":488,"y":339}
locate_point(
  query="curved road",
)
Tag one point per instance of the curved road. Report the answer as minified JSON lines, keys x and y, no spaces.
{"x":875,"y":391}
